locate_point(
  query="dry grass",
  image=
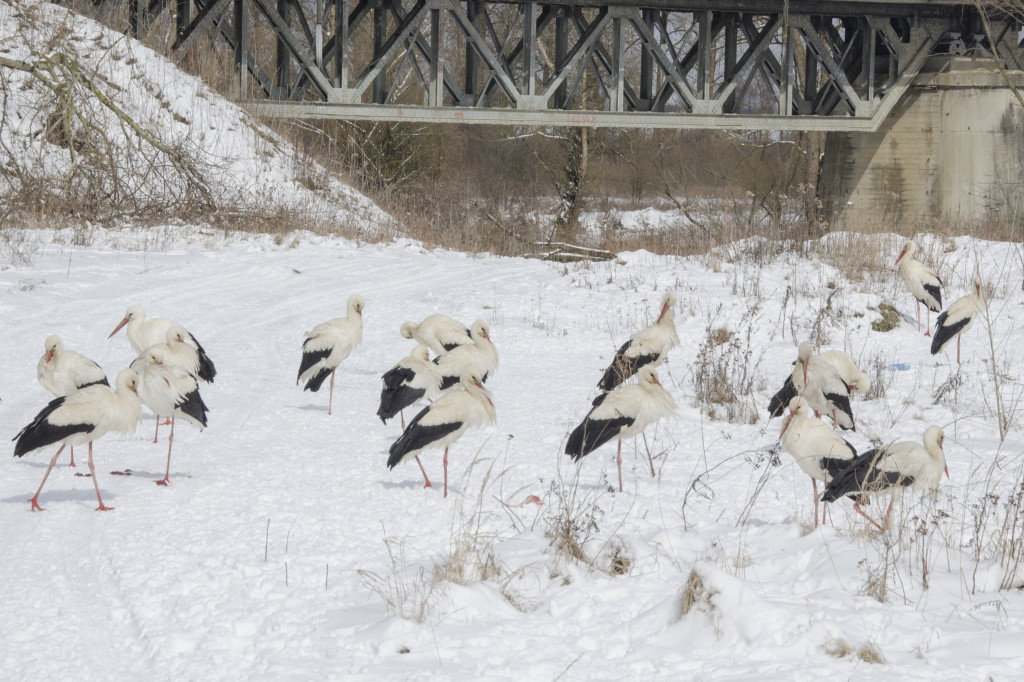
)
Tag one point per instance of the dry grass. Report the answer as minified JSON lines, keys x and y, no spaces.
{"x":867,"y":652}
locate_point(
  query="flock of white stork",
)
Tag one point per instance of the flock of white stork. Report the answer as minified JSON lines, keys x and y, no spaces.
{"x":171,"y":363}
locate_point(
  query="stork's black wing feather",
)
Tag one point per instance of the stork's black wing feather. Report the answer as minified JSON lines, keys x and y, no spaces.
{"x":945,"y":333}
{"x":593,"y":433}
{"x":777,"y":405}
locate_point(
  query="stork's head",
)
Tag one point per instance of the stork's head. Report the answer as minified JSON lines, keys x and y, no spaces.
{"x":356,"y":304}
{"x":52,"y":345}
{"x":133,"y":313}
{"x":908,"y":250}
{"x":647,"y":375}
{"x":176,"y":334}
{"x":420,"y":353}
{"x":803,"y":356}
{"x":933,"y":439}
{"x":480,"y":330}
{"x":128,"y":379}
{"x":408,"y":328}
{"x":667,"y":301}
{"x":798,"y":406}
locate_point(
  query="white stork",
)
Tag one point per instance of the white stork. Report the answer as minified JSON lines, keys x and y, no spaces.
{"x":479,"y":357}
{"x":439,"y":333}
{"x":958,"y":318}
{"x":62,"y":372}
{"x":79,"y":418}
{"x":824,"y":388}
{"x":183,"y":350}
{"x":891,"y":469}
{"x":143,"y":333}
{"x":620,"y":414}
{"x":444,"y":422}
{"x":649,"y":346}
{"x":328,"y":344}
{"x":168,"y":389}
{"x":856,"y":380}
{"x":818,"y":450}
{"x":925,"y":286}
{"x":414,"y":378}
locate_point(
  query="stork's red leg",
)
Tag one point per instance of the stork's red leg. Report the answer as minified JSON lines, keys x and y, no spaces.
{"x":928,"y":330}
{"x":892,"y":498}
{"x":856,"y":505}
{"x":72,"y":457}
{"x":401,"y":415}
{"x":35,"y":498}
{"x":958,"y":349}
{"x":170,"y":441}
{"x":95,"y":483}
{"x":618,"y":461}
{"x":919,"y":315}
{"x":157,"y":432}
{"x":427,"y":484}
{"x":446,"y":472}
{"x":330,"y":401}
{"x":814,"y":482}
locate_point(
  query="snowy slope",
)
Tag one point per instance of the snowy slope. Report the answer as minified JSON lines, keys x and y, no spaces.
{"x":259,"y":560}
{"x":247,"y":167}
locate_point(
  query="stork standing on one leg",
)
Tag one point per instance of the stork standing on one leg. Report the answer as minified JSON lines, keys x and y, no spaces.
{"x":168,"y":389}
{"x":924,"y":284}
{"x":620,"y":414}
{"x":328,"y":344}
{"x":414,"y":378}
{"x":80,"y":418}
{"x":958,"y":318}
{"x":444,"y":422}
{"x":891,"y":469}
{"x":649,"y":346}
{"x":818,"y":450}
{"x":62,"y":372}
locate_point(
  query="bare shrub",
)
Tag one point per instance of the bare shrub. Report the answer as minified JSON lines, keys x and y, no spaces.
{"x":408,"y":591}
{"x":725,"y":369}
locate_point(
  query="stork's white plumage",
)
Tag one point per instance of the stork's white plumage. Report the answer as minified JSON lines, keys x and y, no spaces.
{"x":818,"y":450}
{"x":62,"y":372}
{"x":479,"y":357}
{"x":328,"y":344}
{"x":856,"y":380}
{"x":79,"y":418}
{"x":958,"y":318}
{"x":142,"y":333}
{"x":925,"y":286}
{"x":647,"y":347}
{"x":412,"y":379}
{"x":891,"y":469}
{"x":823,"y":387}
{"x":444,"y":422}
{"x":169,"y":389}
{"x":623,"y":413}
{"x":183,"y":350}
{"x":439,"y":333}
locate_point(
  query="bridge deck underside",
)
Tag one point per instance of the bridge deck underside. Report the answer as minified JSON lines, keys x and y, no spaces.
{"x":738,"y":64}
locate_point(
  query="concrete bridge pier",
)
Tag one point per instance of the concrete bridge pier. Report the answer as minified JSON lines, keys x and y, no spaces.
{"x":951,"y":150}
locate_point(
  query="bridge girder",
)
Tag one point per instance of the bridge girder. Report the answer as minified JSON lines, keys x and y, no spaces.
{"x":739,"y":64}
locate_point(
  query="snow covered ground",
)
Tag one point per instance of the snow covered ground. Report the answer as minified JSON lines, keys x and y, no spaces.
{"x":267,"y":556}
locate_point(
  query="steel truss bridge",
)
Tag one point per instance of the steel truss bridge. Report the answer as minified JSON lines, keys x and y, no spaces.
{"x":735,"y":64}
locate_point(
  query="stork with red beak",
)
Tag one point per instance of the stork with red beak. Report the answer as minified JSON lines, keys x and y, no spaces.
{"x":891,"y":469}
{"x":62,"y":372}
{"x":647,"y":347}
{"x":924,"y":284}
{"x":958,"y":318}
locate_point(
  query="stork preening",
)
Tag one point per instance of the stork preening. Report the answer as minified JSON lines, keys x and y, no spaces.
{"x":79,"y":418}
{"x":818,"y":450}
{"x":414,"y":378}
{"x":622,"y":413}
{"x":328,"y":344}
{"x":856,"y":380}
{"x":442,"y":423}
{"x":479,"y":357}
{"x":925,"y":286}
{"x":168,"y":389}
{"x":824,"y":388}
{"x":891,"y":469}
{"x":439,"y":333}
{"x":183,"y":350}
{"x":62,"y":372}
{"x":647,"y":347}
{"x":958,"y":318}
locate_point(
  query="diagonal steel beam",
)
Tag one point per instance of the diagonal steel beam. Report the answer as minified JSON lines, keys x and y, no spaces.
{"x":305,"y":59}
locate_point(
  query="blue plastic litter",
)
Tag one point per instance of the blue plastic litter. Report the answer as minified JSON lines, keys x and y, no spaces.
{"x":900,"y":366}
